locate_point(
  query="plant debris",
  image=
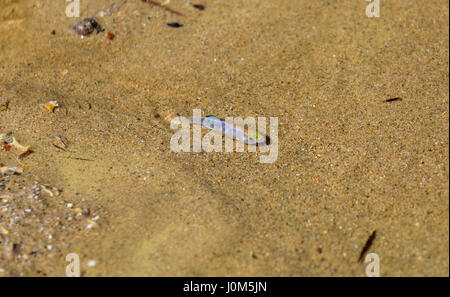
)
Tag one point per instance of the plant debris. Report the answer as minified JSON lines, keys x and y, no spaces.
{"x":52,"y":191}
{"x":10,"y":141}
{"x":367,"y":246}
{"x":25,"y":154}
{"x":82,"y":159}
{"x":60,"y":142}
{"x":174,"y":25}
{"x":58,"y":147}
{"x":393,"y":99}
{"x":199,"y":6}
{"x":50,"y":106}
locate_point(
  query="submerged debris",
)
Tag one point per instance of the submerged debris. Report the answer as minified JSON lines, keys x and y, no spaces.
{"x":10,"y":141}
{"x":5,"y":170}
{"x":6,"y":146}
{"x":25,"y":154}
{"x":50,"y":106}
{"x":60,"y":142}
{"x":52,"y":191}
{"x":4,"y":105}
{"x":86,"y":27}
{"x":81,"y":159}
{"x":199,"y":6}
{"x":367,"y":246}
{"x":174,"y":25}
{"x":393,"y":99}
{"x":20,"y":147}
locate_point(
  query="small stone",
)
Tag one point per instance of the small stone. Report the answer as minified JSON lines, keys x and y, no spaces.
{"x":86,"y":27}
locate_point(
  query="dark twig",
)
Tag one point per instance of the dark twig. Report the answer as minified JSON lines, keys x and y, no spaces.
{"x":58,"y":147}
{"x":82,"y":159}
{"x":367,"y":246}
{"x":393,"y":99}
{"x":25,"y":154}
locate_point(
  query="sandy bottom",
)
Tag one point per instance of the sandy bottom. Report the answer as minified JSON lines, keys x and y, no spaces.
{"x":115,"y":194}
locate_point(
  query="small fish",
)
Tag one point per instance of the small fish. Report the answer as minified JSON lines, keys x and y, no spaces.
{"x":244,"y":135}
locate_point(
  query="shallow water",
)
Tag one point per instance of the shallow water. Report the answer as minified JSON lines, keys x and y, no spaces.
{"x":348,"y":164}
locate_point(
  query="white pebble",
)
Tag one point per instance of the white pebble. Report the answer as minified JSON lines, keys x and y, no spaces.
{"x":91,"y":263}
